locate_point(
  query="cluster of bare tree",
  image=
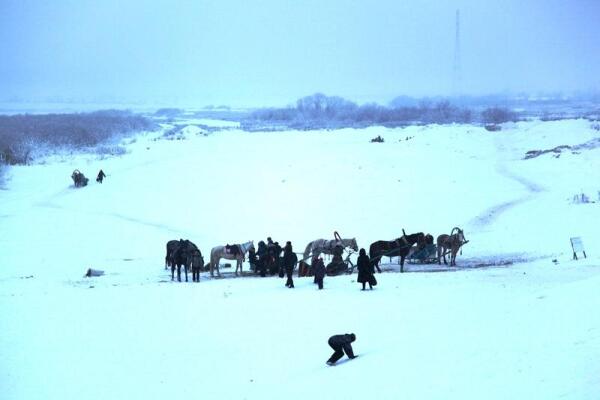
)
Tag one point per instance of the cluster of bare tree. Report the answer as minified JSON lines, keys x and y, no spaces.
{"x":321,"y":111}
{"x":21,"y":136}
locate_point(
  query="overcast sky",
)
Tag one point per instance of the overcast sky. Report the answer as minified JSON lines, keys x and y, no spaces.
{"x":271,"y":52}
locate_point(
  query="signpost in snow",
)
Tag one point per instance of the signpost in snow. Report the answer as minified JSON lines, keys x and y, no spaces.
{"x":577,"y":246}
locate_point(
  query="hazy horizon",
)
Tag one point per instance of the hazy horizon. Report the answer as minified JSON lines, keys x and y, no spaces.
{"x":271,"y":52}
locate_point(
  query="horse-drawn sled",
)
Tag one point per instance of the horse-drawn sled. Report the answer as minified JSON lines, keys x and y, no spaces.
{"x":429,"y":253}
{"x":79,"y":179}
{"x":334,"y":248}
{"x":426,"y":254}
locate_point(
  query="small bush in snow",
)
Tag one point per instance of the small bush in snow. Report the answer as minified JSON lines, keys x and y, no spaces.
{"x":498,"y":115}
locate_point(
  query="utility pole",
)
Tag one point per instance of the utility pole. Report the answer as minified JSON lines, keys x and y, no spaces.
{"x":456,"y":72}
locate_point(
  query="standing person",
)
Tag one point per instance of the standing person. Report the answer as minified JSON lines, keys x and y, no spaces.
{"x":100,"y":177}
{"x":341,"y":344}
{"x":365,"y":270}
{"x":289,"y":262}
{"x":262,"y":254}
{"x":319,"y":272}
{"x":253,"y":260}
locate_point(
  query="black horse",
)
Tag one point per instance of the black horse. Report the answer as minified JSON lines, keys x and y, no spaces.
{"x":184,"y":253}
{"x":171,"y":246}
{"x":394,"y":248}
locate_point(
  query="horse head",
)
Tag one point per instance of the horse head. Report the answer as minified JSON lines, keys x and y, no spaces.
{"x":460,"y":234}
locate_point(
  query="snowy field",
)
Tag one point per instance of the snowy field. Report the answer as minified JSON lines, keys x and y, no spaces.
{"x":516,"y":319}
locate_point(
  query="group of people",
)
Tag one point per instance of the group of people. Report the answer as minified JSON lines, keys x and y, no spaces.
{"x":268,"y":259}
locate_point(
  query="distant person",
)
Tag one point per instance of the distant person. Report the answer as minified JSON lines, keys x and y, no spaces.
{"x":341,"y":344}
{"x":289,"y":262}
{"x":365,"y":270}
{"x":319,"y":269}
{"x":100,"y":177}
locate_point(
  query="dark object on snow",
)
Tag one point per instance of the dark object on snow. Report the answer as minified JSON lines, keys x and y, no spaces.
{"x":79,"y":179}
{"x":377,"y":139}
{"x":341,"y":344}
{"x":395,"y":248}
{"x":100,"y":177}
{"x":304,"y":269}
{"x":493,"y":128}
{"x":365,"y":270}
{"x":93,"y":272}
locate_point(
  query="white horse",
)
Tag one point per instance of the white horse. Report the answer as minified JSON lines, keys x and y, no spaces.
{"x":318,"y":246}
{"x":219,"y":252}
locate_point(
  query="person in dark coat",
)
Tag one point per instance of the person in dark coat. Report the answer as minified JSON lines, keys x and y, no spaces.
{"x":262,"y":254}
{"x":100,"y":177}
{"x":365,"y":270}
{"x":341,"y":344}
{"x":320,"y":270}
{"x":289,"y":262}
{"x":253,"y":260}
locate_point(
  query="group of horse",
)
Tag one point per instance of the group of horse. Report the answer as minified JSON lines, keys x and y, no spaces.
{"x":185,"y":253}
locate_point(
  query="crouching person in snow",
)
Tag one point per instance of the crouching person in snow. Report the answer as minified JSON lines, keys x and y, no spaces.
{"x":341,"y":344}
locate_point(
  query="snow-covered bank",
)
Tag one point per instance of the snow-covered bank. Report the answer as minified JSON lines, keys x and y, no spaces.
{"x":524,"y":330}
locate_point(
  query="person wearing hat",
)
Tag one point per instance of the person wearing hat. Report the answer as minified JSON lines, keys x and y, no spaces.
{"x":341,"y":344}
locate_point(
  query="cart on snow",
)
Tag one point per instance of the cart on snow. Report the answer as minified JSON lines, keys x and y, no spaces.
{"x":424,"y":255}
{"x":79,"y":179}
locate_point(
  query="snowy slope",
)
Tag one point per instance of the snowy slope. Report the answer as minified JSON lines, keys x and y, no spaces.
{"x":526,"y":330}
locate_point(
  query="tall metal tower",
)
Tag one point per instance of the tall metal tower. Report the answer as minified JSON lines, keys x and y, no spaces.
{"x":456,"y":72}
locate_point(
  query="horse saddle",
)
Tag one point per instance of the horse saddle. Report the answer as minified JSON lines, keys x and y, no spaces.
{"x":234,"y":249}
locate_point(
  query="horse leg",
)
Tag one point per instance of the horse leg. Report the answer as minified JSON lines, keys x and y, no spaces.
{"x":402,"y":263}
{"x":185,"y":268}
{"x":172,"y":271}
{"x":439,"y":254}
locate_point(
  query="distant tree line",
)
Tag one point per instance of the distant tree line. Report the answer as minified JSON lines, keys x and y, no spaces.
{"x":321,"y":111}
{"x":22,"y":136}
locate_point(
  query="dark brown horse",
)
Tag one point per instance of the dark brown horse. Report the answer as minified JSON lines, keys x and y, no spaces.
{"x":184,"y":253}
{"x":394,"y":248}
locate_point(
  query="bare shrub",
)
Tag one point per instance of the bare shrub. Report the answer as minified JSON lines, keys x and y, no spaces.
{"x":320,"y":111}
{"x":23,"y":137}
{"x":498,"y":115}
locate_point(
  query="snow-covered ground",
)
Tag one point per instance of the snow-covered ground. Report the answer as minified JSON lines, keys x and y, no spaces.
{"x":517,"y":318}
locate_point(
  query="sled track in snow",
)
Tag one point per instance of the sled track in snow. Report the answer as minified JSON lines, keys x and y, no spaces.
{"x":466,"y":263}
{"x":490,"y":215}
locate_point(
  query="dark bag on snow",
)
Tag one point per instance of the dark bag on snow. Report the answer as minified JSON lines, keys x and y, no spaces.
{"x":281,"y":272}
{"x":373,"y":281}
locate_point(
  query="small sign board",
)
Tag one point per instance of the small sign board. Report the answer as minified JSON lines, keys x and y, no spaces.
{"x":577,"y":246}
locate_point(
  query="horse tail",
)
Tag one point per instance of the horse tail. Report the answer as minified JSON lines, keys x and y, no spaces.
{"x":307,"y":251}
